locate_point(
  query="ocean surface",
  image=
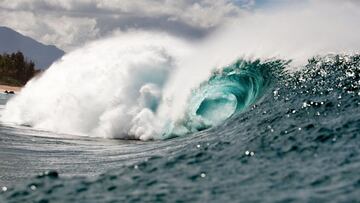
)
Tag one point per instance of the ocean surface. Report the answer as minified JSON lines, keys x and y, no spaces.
{"x":290,"y":137}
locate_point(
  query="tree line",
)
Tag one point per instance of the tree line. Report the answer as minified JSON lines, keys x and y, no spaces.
{"x":15,"y":69}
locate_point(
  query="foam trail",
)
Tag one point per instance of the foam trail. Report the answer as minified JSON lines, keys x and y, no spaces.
{"x":136,"y":84}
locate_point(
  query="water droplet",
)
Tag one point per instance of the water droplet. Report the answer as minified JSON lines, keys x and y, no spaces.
{"x":203,"y":175}
{"x":4,"y":189}
{"x":33,"y":187}
{"x":299,"y":129}
{"x":252,"y":153}
{"x":247,"y":153}
{"x":136,"y":167}
{"x":198,"y":146}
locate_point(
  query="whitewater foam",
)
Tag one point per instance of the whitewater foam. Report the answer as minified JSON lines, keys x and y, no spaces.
{"x":101,"y":89}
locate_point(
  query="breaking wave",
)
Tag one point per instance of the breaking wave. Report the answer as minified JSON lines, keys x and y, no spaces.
{"x":144,"y":85}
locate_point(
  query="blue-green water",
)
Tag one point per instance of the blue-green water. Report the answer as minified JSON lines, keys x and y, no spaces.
{"x":271,"y":136}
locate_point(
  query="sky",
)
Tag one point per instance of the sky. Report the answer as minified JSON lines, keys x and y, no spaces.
{"x":71,"y":23}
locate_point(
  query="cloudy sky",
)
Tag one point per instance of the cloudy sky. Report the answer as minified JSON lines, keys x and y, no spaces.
{"x":71,"y":23}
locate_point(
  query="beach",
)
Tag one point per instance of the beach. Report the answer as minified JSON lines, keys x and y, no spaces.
{"x":3,"y":88}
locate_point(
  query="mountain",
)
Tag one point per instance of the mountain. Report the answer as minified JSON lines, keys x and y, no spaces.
{"x":42,"y":55}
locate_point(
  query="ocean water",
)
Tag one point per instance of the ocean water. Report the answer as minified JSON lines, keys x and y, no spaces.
{"x":266,"y":134}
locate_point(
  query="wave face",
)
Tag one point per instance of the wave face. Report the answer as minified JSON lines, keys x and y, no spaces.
{"x":229,"y":91}
{"x":297,"y":141}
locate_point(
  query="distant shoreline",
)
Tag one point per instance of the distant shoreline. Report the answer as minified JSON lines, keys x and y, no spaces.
{"x":3,"y":88}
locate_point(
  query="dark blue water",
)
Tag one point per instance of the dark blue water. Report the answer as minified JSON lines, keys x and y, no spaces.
{"x":298,"y":141}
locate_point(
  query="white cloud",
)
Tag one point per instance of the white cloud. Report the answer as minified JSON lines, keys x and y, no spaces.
{"x":52,"y":29}
{"x":69,"y":23}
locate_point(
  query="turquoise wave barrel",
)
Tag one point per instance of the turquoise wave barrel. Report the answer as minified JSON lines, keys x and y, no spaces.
{"x":228,"y":92}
